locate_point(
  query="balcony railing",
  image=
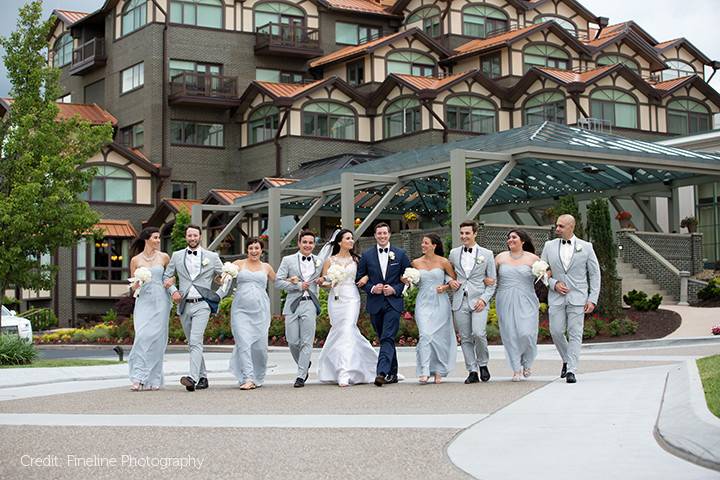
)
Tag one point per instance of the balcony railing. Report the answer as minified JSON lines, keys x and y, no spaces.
{"x":88,"y":56}
{"x":279,"y":38}
{"x":203,"y":89}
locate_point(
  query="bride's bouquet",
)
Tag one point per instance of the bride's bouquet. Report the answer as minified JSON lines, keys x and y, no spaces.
{"x":539,"y":269}
{"x":229,"y":272}
{"x":336,"y":274}
{"x":142,"y":276}
{"x":412,"y":275}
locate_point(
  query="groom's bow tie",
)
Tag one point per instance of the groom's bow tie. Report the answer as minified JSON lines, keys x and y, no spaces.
{"x":468,"y":249}
{"x":566,"y":242}
{"x":191,"y":252}
{"x":383,"y":250}
{"x":307,"y":258}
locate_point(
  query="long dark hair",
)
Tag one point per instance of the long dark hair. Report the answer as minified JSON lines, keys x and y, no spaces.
{"x":138,"y":245}
{"x":338,"y":239}
{"x":437,"y":243}
{"x":525,"y":238}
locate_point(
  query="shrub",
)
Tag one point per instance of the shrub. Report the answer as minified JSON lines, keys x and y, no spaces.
{"x":493,"y":332}
{"x":11,"y":303}
{"x":110,"y":316}
{"x":41,"y":319}
{"x":277,"y":326}
{"x":15,"y":350}
{"x":125,"y":306}
{"x":589,"y":331}
{"x":544,"y":329}
{"x":711,"y":291}
{"x":322,"y":326}
{"x":622,"y":326}
{"x":543,"y":308}
{"x":639,"y":301}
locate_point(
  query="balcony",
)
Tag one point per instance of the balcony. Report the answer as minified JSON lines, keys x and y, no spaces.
{"x":88,"y":56}
{"x":204,"y":89}
{"x":282,"y":39}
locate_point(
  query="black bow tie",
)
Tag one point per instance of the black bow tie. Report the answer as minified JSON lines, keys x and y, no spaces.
{"x":192,"y":252}
{"x":566,"y":242}
{"x":307,"y":258}
{"x":468,"y":249}
{"x":383,"y":250}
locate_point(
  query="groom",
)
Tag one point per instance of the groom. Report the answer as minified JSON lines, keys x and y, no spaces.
{"x":384,"y":265}
{"x":574,"y":290}
{"x":196,"y":269}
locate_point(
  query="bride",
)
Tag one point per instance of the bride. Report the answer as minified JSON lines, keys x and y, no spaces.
{"x":347,"y":357}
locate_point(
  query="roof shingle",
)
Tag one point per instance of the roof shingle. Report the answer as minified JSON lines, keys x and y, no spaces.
{"x":70,"y":16}
{"x":351,"y":50}
{"x":116,"y":228}
{"x":365,"y":6}
{"x":485,"y":43}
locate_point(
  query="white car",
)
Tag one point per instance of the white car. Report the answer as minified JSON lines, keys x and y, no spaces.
{"x":10,"y":323}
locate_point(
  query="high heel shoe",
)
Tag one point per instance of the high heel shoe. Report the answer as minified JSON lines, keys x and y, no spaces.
{"x":526,"y":372}
{"x":423,"y":380}
{"x":517,"y":376}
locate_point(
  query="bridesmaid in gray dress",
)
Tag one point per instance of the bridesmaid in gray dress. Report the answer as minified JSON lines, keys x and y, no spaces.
{"x":250,"y":318}
{"x":437,"y":348}
{"x":151,"y":314}
{"x":517,"y":304}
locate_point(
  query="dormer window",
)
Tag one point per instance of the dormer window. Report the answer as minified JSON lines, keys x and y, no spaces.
{"x":480,"y":21}
{"x":545,"y":55}
{"x":134,"y":15}
{"x":62,"y":53}
{"x":677,"y":69}
{"x":566,"y":24}
{"x":410,"y":63}
{"x":610,"y":59}
{"x":430,"y":19}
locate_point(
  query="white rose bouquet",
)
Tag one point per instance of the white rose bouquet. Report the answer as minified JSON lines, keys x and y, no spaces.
{"x":412,"y":275}
{"x":539,"y":269}
{"x":142,"y":276}
{"x":335,"y":275}
{"x":229,"y":272}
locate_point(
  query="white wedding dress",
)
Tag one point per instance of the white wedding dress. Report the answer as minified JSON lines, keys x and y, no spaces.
{"x":347,"y":357}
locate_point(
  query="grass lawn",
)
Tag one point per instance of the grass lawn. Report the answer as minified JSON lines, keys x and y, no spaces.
{"x":64,"y":362}
{"x":710,"y":375}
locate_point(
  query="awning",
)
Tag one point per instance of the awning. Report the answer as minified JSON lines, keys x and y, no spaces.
{"x":116,"y":228}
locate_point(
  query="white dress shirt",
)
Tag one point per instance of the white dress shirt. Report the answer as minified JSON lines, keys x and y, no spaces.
{"x":566,"y":252}
{"x":467,"y":259}
{"x":192,"y":262}
{"x":306,"y":269}
{"x":383,"y":257}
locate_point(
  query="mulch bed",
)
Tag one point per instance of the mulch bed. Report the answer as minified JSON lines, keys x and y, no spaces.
{"x":715,"y":302}
{"x":657,"y":324}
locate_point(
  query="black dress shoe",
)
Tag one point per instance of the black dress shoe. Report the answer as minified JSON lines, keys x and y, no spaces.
{"x":189,"y":383}
{"x":202,"y":384}
{"x":563,"y":372}
{"x":484,"y":374}
{"x":299,"y":382}
{"x":307,"y":374}
{"x":380,"y":380}
{"x":472,"y":378}
{"x":392,"y":379}
{"x":570,"y":378}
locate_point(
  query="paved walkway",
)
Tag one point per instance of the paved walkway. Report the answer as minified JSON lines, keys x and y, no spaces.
{"x":696,"y":322}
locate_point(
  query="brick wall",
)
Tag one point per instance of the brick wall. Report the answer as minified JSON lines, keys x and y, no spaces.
{"x":684,"y":251}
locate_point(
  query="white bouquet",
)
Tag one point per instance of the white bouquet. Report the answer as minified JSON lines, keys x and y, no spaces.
{"x":539,"y":269}
{"x":336,"y":274}
{"x":229,"y":272}
{"x":412,"y":275}
{"x":142,"y":276}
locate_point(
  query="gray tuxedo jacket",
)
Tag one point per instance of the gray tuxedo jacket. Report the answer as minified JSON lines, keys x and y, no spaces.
{"x":472,"y":283}
{"x":290,"y":267}
{"x":210,"y":267}
{"x":582,"y":276}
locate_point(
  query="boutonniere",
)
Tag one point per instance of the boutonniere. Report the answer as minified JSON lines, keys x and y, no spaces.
{"x":578,"y":248}
{"x":317,"y":262}
{"x":480,"y":260}
{"x":391,"y":255}
{"x":205,"y":262}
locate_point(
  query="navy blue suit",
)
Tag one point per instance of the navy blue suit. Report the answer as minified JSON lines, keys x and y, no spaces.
{"x":384,"y":311}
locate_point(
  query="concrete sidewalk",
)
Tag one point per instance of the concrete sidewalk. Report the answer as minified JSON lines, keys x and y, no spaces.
{"x":696,"y":321}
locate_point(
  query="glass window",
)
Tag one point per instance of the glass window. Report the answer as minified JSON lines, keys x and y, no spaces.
{"x":687,"y":117}
{"x":132,"y":78}
{"x":353,"y":34}
{"x":327,"y":119}
{"x":197,"y":134}
{"x":111,"y":184}
{"x":134,"y":15}
{"x":63,"y":50}
{"x":470,"y":114}
{"x":109,"y":259}
{"x":356,"y":72}
{"x":185,"y":190}
{"x":132,"y":136}
{"x":81,"y":260}
{"x":65,"y":99}
{"x":566,"y":24}
{"x":546,"y":106}
{"x":480,"y":21}
{"x":490,"y":65}
{"x":545,"y":55}
{"x":179,"y":66}
{"x":402,"y":116}
{"x":614,"y":107}
{"x":277,"y":14}
{"x":203,"y":13}
{"x":263,"y":124}
{"x":279,"y":76}
{"x":677,"y":69}
{"x":610,"y":59}
{"x":410,"y":63}
{"x":430,"y":19}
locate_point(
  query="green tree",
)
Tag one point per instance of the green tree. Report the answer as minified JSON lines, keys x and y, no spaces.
{"x":40,"y":176}
{"x":601,"y":235}
{"x":568,"y":205}
{"x":177,"y":236}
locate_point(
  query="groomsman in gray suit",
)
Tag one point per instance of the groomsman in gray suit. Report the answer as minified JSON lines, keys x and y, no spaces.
{"x":296,"y":275}
{"x":573,"y":291}
{"x":196,"y":268}
{"x":471,"y":298}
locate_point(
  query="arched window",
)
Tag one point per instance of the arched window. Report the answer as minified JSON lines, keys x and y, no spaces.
{"x":402,"y":116}
{"x":566,"y":24}
{"x":545,"y":55}
{"x":329,"y":119}
{"x":263,"y":124}
{"x":134,"y":15}
{"x":615,"y":107}
{"x":203,"y":13}
{"x":470,"y":114}
{"x":481,"y":20}
{"x":430,"y":18}
{"x":111,"y":184}
{"x":410,"y":63}
{"x":278,"y":14}
{"x":63,"y":50}
{"x":686,"y":117}
{"x":610,"y":59}
{"x":546,"y":106}
{"x":677,"y":69}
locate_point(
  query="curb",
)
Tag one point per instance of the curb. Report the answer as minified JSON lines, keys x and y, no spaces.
{"x":658,"y":342}
{"x":685,"y":427}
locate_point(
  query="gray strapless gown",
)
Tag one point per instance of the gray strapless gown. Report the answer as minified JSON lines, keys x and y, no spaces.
{"x":250,"y":322}
{"x":517,"y":310}
{"x":150,"y":320}
{"x":437,"y":347}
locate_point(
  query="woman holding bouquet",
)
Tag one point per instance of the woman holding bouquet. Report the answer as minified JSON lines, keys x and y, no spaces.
{"x":250,"y":317}
{"x":437,"y":348}
{"x":151,"y":313}
{"x":347,"y":357}
{"x":516,"y":303}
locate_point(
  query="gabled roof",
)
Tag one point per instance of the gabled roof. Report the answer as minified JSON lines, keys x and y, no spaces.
{"x":361,"y":6}
{"x":312,"y":168}
{"x":224,"y":196}
{"x":170,"y":206}
{"x":116,"y":228}
{"x":138,"y":158}
{"x":348,"y":53}
{"x":669,"y":87}
{"x":271,"y":182}
{"x":92,"y":113}
{"x":629,"y":25}
{"x":575,"y":5}
{"x":68,"y":17}
{"x":625,"y":32}
{"x":285,"y":94}
{"x":683,"y":42}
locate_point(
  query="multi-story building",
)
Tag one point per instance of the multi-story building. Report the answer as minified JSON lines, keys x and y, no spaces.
{"x":218,"y":94}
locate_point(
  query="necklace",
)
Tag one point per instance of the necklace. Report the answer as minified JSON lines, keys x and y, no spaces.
{"x":151,"y":257}
{"x":518,"y":257}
